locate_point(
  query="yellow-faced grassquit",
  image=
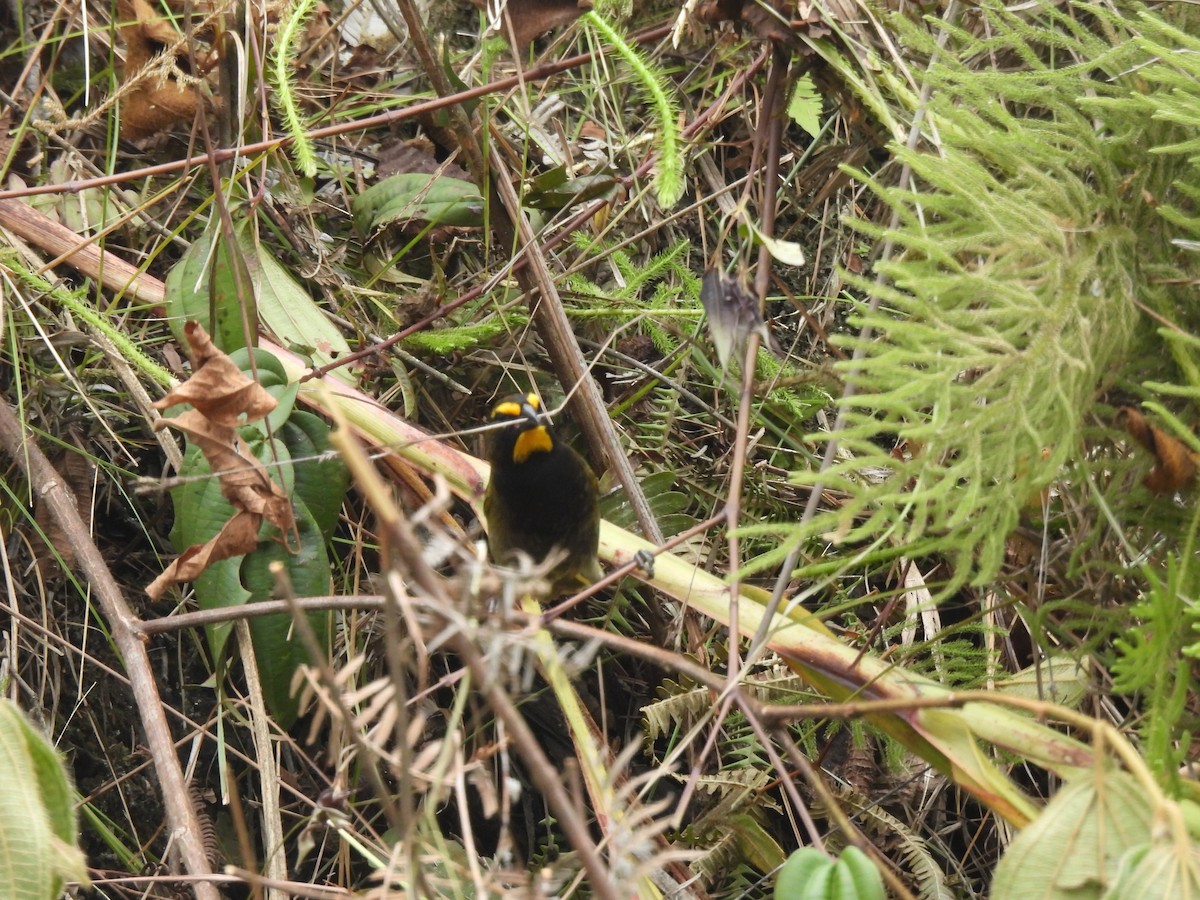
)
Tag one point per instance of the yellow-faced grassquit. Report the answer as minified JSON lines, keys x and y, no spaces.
{"x":542,"y":496}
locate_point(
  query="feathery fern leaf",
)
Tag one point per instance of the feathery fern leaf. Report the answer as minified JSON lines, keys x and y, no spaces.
{"x":1006,"y":307}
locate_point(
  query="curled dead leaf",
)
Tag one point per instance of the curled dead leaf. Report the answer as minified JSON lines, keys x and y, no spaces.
{"x":222,"y":396}
{"x":732,"y":313}
{"x":160,"y":92}
{"x":237,"y":537}
{"x":218,"y":389}
{"x":1174,"y":464}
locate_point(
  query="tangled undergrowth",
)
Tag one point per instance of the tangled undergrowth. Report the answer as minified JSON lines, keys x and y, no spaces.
{"x":877,"y":321}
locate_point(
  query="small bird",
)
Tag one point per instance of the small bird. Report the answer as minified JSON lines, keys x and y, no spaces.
{"x":542,"y":497}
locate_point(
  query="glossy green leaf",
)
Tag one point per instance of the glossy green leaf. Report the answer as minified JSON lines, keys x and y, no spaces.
{"x":210,"y":280}
{"x":223,"y":275}
{"x":288,"y":310}
{"x":277,"y":650}
{"x":553,"y":190}
{"x":321,"y":479}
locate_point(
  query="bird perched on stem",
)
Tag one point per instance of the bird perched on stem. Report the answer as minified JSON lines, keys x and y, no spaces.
{"x":542,"y":498}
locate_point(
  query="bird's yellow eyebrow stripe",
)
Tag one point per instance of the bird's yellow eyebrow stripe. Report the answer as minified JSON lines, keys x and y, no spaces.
{"x":507,"y":409}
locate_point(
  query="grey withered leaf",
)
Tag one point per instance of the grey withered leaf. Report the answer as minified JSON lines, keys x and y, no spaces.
{"x":732,"y":313}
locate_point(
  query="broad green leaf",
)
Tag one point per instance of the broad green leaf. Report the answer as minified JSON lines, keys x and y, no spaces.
{"x":218,"y":587}
{"x":668,"y":504}
{"x":413,"y":197}
{"x":276,"y":649}
{"x":289,"y":311}
{"x":1074,"y":848}
{"x":223,"y":275}
{"x":211,"y":279}
{"x":232,"y":295}
{"x":757,"y":845}
{"x":554,"y":190}
{"x":270,"y":375}
{"x":267,"y":369}
{"x":321,"y":484}
{"x":807,"y":869}
{"x":1060,"y":680}
{"x":1162,"y":870}
{"x":186,"y":295}
{"x":38,"y":825}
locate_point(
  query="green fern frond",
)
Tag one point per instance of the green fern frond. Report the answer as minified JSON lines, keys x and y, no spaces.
{"x":1151,"y":663}
{"x":1006,"y":306}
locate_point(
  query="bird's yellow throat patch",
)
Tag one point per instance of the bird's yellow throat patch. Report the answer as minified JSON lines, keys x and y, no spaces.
{"x":535,"y":440}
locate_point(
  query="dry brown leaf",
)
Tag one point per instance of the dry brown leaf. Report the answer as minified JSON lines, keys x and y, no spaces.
{"x":416,"y":155}
{"x":222,"y":397}
{"x":218,"y":389}
{"x":237,"y":537}
{"x":778,"y":21}
{"x":529,"y":18}
{"x":1174,"y":464}
{"x":157,"y":102}
{"x":592,"y":131}
{"x":244,"y":480}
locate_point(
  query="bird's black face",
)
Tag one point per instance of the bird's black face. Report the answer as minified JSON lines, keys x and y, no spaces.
{"x":527,"y":431}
